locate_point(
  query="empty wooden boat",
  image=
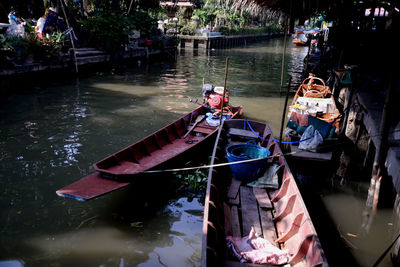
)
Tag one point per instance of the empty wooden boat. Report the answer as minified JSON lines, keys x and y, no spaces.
{"x":114,"y":171}
{"x":274,"y":209}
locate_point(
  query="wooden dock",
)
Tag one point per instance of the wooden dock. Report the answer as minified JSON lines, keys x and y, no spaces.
{"x":222,"y":42}
{"x":84,"y":57}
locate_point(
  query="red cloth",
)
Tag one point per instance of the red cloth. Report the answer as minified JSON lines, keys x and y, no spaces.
{"x":255,"y":249}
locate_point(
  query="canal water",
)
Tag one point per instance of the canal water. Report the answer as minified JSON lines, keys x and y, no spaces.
{"x":51,"y":133}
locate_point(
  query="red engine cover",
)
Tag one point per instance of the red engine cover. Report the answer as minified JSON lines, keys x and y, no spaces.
{"x":215,"y":100}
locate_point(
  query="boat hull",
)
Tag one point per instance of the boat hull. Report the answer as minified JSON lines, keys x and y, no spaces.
{"x":159,"y":147}
{"x":232,"y":207}
{"x":155,"y":151}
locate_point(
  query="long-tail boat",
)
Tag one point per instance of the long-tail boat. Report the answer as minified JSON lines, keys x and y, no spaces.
{"x":273,"y":208}
{"x":117,"y":170}
{"x":313,"y":104}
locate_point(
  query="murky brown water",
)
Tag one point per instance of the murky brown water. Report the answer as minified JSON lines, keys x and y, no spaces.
{"x":50,"y":136}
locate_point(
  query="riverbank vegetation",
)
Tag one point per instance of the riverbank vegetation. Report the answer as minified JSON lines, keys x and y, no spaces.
{"x":42,"y":30}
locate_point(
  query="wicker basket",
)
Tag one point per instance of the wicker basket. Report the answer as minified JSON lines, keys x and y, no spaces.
{"x":309,"y":87}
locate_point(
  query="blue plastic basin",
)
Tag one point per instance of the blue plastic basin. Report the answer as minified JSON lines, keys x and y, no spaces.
{"x":247,"y":171}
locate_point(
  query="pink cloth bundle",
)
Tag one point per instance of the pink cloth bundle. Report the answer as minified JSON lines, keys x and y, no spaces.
{"x":255,"y":249}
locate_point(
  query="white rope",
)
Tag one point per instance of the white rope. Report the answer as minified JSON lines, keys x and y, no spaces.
{"x":215,"y":165}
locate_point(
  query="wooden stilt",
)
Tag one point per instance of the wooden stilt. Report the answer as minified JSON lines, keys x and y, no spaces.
{"x":380,"y":156}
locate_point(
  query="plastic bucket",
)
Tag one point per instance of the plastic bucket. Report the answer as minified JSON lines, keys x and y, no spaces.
{"x":247,"y":171}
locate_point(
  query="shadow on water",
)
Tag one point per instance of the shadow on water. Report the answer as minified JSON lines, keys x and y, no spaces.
{"x":52,"y":132}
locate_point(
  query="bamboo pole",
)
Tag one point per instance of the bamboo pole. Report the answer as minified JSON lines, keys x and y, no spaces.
{"x":284,"y":46}
{"x":223,"y":96}
{"x":284,"y":109}
{"x":70,"y":36}
{"x":283,"y":56}
{"x":130,"y":6}
{"x":380,"y":156}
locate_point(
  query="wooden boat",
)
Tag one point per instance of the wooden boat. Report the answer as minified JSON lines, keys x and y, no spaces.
{"x":300,"y":39}
{"x":298,"y":42}
{"x":232,"y":207}
{"x":313,"y":98}
{"x":114,"y":171}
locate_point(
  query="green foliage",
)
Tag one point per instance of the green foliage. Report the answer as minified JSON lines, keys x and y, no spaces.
{"x":260,"y":30}
{"x":195,"y":181}
{"x":42,"y":49}
{"x":189,"y":28}
{"x":136,"y":224}
{"x":206,"y":15}
{"x":110,"y":31}
{"x":4,"y":44}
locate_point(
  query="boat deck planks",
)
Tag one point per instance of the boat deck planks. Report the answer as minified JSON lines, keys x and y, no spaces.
{"x":253,"y":215}
{"x":236,"y":229}
{"x":249,"y":208}
{"x":267,"y":225}
{"x":262,"y":198}
{"x":242,"y":133}
{"x":234,"y":189}
{"x":306,"y":155}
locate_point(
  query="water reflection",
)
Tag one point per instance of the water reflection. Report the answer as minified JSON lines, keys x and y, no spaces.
{"x":50,"y":137}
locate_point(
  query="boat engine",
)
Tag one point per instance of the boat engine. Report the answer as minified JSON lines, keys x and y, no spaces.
{"x":214,"y":95}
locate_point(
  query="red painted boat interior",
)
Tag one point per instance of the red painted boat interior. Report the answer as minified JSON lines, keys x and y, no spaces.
{"x":156,"y":148}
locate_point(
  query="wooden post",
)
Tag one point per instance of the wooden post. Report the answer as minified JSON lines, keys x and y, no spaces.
{"x":223,"y":96}
{"x":380,"y":156}
{"x":284,"y":109}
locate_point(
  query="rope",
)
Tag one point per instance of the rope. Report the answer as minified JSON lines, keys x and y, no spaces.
{"x":216,"y":165}
{"x":284,"y":142}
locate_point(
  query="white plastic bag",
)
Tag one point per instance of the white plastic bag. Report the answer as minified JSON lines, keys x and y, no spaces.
{"x":311,"y":139}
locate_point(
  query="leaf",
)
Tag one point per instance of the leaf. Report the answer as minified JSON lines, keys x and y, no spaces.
{"x":136,"y":224}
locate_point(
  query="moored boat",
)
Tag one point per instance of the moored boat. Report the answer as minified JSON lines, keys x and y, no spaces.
{"x":236,"y":207}
{"x":313,"y":104}
{"x":300,"y":39}
{"x":160,"y":147}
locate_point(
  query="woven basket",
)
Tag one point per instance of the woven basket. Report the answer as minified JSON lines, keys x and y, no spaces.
{"x":309,"y":87}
